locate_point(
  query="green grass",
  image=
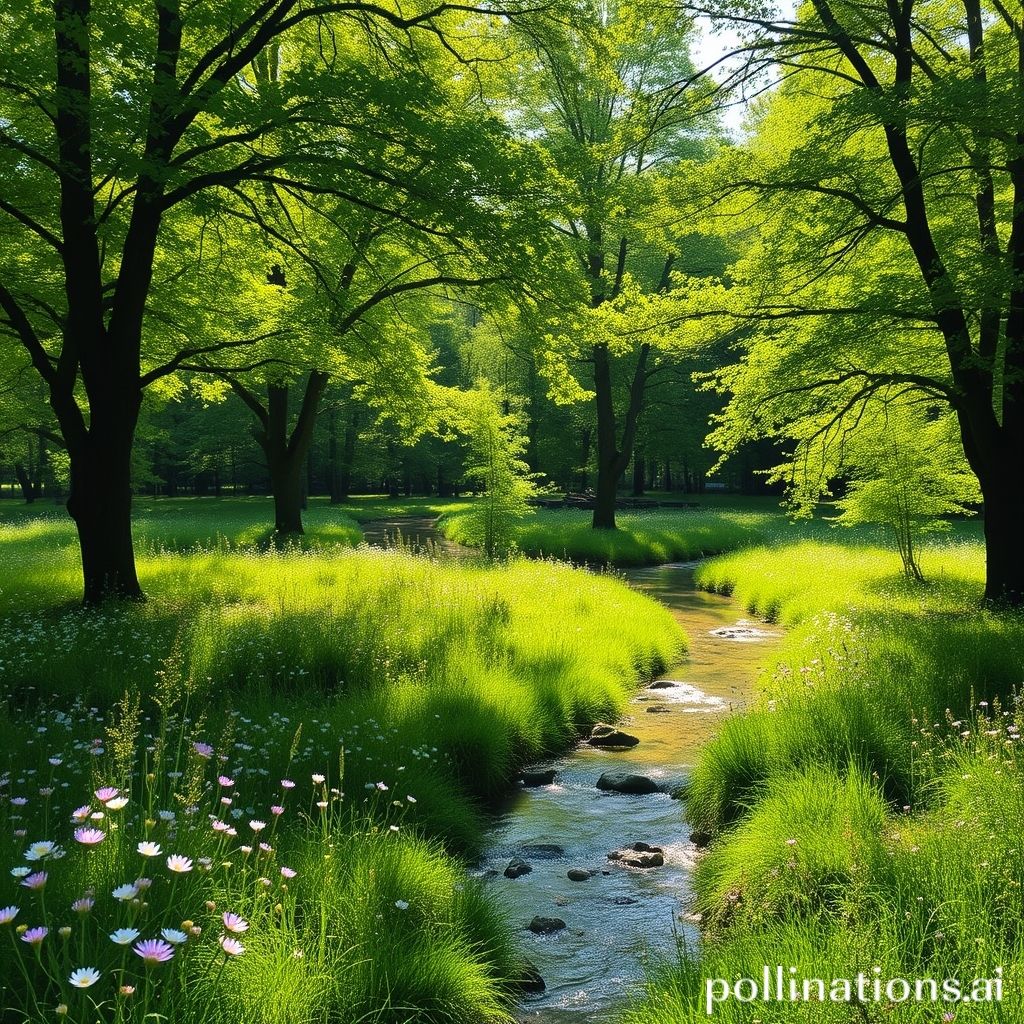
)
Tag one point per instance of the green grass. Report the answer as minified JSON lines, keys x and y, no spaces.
{"x":438,"y":679}
{"x":864,"y":808}
{"x":177,"y":524}
{"x":642,"y":538}
{"x":720,"y":523}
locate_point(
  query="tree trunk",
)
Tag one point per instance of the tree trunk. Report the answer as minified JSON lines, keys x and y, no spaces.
{"x":26,"y":483}
{"x":639,"y":474}
{"x":286,"y":453}
{"x":100,"y":502}
{"x":613,"y":457}
{"x":1004,"y":538}
{"x":585,"y":440}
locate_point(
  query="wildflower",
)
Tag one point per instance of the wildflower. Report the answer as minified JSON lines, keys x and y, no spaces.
{"x":21,"y":872}
{"x":257,"y":826}
{"x":287,"y":784}
{"x":61,"y":1009}
{"x":204,"y":750}
{"x":65,"y":932}
{"x":382,"y":786}
{"x":791,"y":842}
{"x":154,"y":951}
{"x":165,"y":815}
{"x":90,"y":836}
{"x":231,"y":946}
{"x":277,"y":810}
{"x":34,"y":936}
{"x":79,"y":814}
{"x":401,"y":904}
{"x":35,"y":882}
{"x":125,"y":892}
{"x":84,"y":905}
{"x":124,"y":936}
{"x":179,"y":863}
{"x":8,"y":914}
{"x":42,"y":850}
{"x":234,"y":923}
{"x":126,"y":990}
{"x":84,"y":977}
{"x":219,"y":826}
{"x":117,"y":804}
{"x":173,"y":936}
{"x":322,"y":804}
{"x":411,"y":799}
{"x":148,"y":849}
{"x":107,"y":793}
{"x":288,"y":872}
{"x":224,"y":781}
{"x":319,"y":779}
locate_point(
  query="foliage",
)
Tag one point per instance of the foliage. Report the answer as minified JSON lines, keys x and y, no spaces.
{"x":496,"y":447}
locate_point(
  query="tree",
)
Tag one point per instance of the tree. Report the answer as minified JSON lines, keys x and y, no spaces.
{"x":609,"y":99}
{"x":885,"y":190}
{"x":126,"y":134}
{"x":496,"y":442}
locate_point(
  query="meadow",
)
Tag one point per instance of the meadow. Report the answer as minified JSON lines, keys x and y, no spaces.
{"x":866,"y":810}
{"x":254,"y":794}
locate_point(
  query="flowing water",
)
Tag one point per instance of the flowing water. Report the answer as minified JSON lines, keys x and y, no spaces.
{"x":619,"y":918}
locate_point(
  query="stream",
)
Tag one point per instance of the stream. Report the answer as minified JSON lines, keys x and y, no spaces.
{"x":619,"y":918}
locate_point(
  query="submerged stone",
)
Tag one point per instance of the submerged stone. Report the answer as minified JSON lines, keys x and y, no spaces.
{"x":517,"y":867}
{"x":608,"y":736}
{"x":541,"y":777}
{"x":578,"y":874}
{"x":662,"y":684}
{"x":544,"y":851}
{"x":639,"y":855}
{"x":626,"y":782}
{"x":546,"y":925}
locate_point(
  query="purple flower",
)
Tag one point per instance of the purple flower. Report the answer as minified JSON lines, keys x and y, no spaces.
{"x":234,"y":923}
{"x":231,"y":946}
{"x":203,"y":749}
{"x":106,"y":793}
{"x":35,"y":882}
{"x":288,"y":873}
{"x":8,"y":914}
{"x":154,"y":951}
{"x":34,"y":936}
{"x":90,"y":836}
{"x":84,"y":905}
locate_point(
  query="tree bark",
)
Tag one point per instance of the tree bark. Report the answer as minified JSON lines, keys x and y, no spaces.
{"x":286,"y":453}
{"x":639,"y":473}
{"x":612,"y":456}
{"x":100,"y":503}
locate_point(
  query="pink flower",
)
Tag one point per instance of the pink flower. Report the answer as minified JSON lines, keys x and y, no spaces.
{"x":179,"y":863}
{"x":234,"y":923}
{"x":106,"y":793}
{"x":81,"y":813}
{"x":225,"y":781}
{"x":277,"y":810}
{"x":35,"y":882}
{"x":287,"y":784}
{"x":231,"y":946}
{"x":154,"y":951}
{"x":90,"y":836}
{"x":257,"y":826}
{"x":34,"y":936}
{"x":84,"y":905}
{"x":288,"y":873}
